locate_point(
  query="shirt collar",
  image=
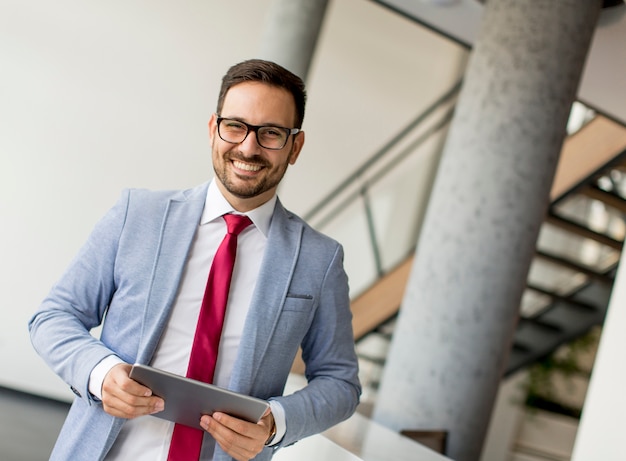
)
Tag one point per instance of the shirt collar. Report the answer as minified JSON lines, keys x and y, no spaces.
{"x":216,"y":206}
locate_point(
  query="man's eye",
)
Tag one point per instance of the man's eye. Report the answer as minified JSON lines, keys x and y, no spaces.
{"x":272,"y":132}
{"x":231,"y":125}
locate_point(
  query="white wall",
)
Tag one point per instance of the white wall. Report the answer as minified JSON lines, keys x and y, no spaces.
{"x":600,"y":432}
{"x":97,"y":96}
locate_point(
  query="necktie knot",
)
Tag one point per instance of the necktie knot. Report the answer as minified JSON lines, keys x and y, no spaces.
{"x":236,"y":223}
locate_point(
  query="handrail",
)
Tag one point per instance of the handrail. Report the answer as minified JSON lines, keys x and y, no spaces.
{"x":382,"y":152}
{"x":365,"y":187}
{"x":334,"y":208}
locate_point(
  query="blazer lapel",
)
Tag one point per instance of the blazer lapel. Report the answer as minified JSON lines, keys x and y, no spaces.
{"x":180,"y":223}
{"x":281,"y":253}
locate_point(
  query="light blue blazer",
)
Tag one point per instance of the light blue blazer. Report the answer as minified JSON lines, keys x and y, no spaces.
{"x":130,"y":269}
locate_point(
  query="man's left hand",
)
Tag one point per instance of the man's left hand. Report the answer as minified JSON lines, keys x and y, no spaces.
{"x":240,"y":439}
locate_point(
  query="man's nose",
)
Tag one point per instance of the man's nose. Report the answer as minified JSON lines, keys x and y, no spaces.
{"x":250,"y":144}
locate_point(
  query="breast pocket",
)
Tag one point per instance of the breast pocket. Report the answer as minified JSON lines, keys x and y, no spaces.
{"x":298,"y":302}
{"x":296,"y":317}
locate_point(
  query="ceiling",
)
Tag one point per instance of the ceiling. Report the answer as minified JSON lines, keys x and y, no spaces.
{"x":603,"y":85}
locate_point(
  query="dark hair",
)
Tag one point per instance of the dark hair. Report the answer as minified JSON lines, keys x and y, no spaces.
{"x":257,"y":70}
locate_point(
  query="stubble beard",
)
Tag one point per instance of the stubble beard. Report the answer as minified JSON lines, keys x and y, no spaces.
{"x":246,"y":187}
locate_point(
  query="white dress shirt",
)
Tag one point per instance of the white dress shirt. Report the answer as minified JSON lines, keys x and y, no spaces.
{"x":147,"y":437}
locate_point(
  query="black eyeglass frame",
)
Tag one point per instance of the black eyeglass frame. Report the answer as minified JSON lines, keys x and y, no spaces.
{"x":255,"y":128}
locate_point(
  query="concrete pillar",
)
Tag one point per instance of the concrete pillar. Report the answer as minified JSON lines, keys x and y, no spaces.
{"x":291,"y":31}
{"x":488,"y":201}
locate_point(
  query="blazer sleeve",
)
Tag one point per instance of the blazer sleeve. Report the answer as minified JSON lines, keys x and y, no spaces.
{"x":333,"y":389}
{"x":60,"y":328}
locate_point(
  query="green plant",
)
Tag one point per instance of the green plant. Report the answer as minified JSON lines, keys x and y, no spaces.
{"x":566,"y":363}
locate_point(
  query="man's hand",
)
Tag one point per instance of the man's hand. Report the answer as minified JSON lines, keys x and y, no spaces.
{"x":126,"y":398}
{"x":240,"y":439}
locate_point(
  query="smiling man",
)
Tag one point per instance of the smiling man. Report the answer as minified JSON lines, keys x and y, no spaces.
{"x":146,"y":265}
{"x":251,"y":146}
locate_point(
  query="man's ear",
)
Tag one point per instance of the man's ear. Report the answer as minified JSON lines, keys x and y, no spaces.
{"x":212,"y":127}
{"x":298,"y":142}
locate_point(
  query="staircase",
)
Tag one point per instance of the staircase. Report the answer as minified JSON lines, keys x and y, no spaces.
{"x":571,"y":277}
{"x":579,"y":246}
{"x":578,"y":249}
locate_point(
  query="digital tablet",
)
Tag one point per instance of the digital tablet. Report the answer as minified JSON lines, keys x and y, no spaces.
{"x":186,"y":400}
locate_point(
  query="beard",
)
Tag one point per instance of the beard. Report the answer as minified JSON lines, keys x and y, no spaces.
{"x":244,"y":186}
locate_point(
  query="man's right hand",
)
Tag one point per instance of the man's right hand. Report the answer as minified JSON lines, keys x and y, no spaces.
{"x":126,"y":398}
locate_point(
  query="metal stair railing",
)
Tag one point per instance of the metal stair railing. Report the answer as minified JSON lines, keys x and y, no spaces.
{"x":357,"y":185}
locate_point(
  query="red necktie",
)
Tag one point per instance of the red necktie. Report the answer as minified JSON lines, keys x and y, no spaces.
{"x":187,"y":441}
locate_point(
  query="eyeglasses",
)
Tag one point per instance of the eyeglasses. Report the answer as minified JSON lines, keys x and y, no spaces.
{"x":268,"y":137}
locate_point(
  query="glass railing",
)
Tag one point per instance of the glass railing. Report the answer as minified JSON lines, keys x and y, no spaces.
{"x":377,"y":211}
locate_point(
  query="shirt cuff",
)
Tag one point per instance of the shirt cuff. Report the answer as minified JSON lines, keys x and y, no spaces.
{"x":279,"y":419}
{"x":96,"y":378}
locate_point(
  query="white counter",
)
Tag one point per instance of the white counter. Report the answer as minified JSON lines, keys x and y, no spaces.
{"x":316,"y":448}
{"x":358,"y":438}
{"x":371,"y":441}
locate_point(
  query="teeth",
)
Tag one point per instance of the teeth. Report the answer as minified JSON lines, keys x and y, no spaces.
{"x":246,"y":166}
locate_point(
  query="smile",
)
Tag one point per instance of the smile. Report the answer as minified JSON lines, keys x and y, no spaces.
{"x":246,"y":166}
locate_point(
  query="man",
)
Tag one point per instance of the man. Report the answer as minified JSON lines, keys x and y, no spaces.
{"x":145,"y":266}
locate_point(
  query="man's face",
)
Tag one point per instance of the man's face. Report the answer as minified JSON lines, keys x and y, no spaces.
{"x":248,"y":174}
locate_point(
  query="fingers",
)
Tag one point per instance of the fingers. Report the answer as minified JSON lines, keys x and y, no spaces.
{"x":240,"y":439}
{"x":126,"y":398}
